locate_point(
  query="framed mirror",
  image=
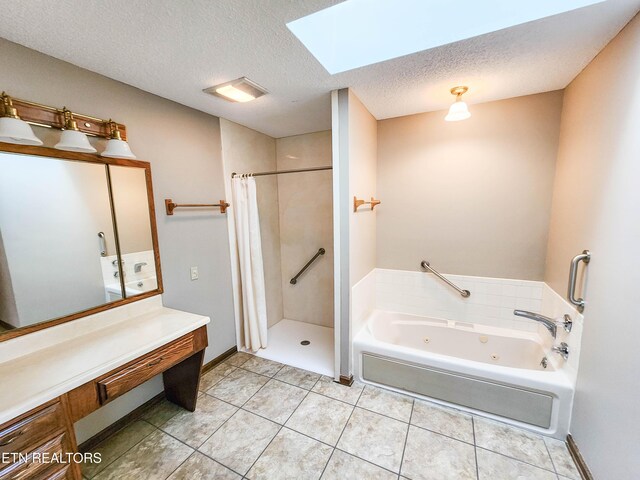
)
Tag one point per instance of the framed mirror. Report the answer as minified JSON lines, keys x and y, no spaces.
{"x":77,"y":236}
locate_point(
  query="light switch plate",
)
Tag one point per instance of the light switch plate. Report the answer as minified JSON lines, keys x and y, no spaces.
{"x":194,"y":273}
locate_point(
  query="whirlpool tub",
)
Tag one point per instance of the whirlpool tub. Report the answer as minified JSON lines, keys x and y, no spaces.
{"x":509,"y":375}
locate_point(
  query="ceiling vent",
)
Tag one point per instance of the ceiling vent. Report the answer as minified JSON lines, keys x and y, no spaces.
{"x":238,"y":90}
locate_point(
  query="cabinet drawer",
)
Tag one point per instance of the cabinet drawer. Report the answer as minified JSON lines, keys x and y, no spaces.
{"x":25,"y":468}
{"x":147,"y":367}
{"x":29,"y":431}
{"x":62,"y":472}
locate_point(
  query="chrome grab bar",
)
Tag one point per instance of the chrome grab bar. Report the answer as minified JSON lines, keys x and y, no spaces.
{"x":426,"y":266}
{"x":585,"y":257}
{"x":294,"y":280}
{"x":103,"y":244}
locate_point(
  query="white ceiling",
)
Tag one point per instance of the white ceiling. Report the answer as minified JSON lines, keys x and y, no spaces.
{"x":174,"y":49}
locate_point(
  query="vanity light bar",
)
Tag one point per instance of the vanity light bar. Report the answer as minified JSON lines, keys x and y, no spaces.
{"x":46,"y":116}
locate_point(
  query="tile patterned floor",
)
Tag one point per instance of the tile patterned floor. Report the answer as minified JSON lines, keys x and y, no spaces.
{"x":258,"y":419}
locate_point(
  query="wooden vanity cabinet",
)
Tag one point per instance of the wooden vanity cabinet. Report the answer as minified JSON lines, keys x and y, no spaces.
{"x":33,"y":445}
{"x":47,"y":431}
{"x":179,"y":362}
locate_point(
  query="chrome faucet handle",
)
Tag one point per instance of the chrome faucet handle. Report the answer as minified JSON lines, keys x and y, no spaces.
{"x":566,"y":323}
{"x":137,"y":268}
{"x":562,"y":350}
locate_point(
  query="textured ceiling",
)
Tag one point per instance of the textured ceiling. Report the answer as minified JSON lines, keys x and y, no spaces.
{"x":176,"y":48}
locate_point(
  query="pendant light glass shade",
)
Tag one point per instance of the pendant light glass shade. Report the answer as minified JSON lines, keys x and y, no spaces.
{"x":74,"y":141}
{"x":459,"y":110}
{"x":12,"y":129}
{"x":116,"y":147}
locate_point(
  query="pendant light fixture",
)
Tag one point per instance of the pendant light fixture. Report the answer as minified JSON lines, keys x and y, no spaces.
{"x":116,"y":147}
{"x":459,"y":110}
{"x":12,"y":128}
{"x":73,"y":140}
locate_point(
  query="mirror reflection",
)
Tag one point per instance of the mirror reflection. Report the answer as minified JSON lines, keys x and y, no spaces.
{"x":59,"y":245}
{"x":131,"y":207}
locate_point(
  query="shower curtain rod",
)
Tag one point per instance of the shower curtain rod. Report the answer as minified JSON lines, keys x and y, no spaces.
{"x":260,"y":174}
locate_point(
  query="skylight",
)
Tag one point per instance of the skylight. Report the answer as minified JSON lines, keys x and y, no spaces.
{"x":356,"y":33}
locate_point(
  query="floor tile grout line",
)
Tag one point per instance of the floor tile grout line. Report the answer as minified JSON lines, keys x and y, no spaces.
{"x":281,"y":426}
{"x":181,"y":463}
{"x":284,"y":426}
{"x":367,"y":461}
{"x":255,"y":413}
{"x":516,"y":459}
{"x":162,"y":432}
{"x":309,"y":436}
{"x":327,"y":464}
{"x":295,"y":409}
{"x":216,"y":430}
{"x":265,"y":376}
{"x":277,"y":423}
{"x":257,"y":391}
{"x":475,"y":447}
{"x":127,"y":450}
{"x":220,"y":463}
{"x":295,"y":385}
{"x":349,"y":419}
{"x":406,"y":438}
{"x":442,"y":434}
{"x":383,"y":415}
{"x":550,"y":457}
{"x":263,"y":450}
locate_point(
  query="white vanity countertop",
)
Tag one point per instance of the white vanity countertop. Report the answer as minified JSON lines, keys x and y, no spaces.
{"x":64,"y":360}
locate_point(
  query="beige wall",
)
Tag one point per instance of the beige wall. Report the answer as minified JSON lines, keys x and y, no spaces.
{"x":596,"y":205}
{"x":183,"y":146}
{"x":472,"y":197}
{"x":245,"y":151}
{"x":306,"y":224}
{"x":363,"y":153}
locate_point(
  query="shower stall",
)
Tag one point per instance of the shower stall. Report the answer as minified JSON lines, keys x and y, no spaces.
{"x":293,"y":192}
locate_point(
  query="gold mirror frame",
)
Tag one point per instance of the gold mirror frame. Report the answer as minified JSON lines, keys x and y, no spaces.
{"x":92,"y":158}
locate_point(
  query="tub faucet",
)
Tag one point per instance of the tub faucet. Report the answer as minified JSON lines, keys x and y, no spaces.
{"x":137,"y":268}
{"x":562,"y":350}
{"x":547,"y":322}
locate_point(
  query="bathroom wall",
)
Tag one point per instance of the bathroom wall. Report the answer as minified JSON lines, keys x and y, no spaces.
{"x":306,"y":224}
{"x":363,"y":153}
{"x":183,"y":146}
{"x":595,"y":206}
{"x":472,"y":197}
{"x":354,"y":143}
{"x":245,"y":151}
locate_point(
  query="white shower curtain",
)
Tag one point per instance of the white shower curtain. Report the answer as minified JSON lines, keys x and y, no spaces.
{"x":253,"y":308}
